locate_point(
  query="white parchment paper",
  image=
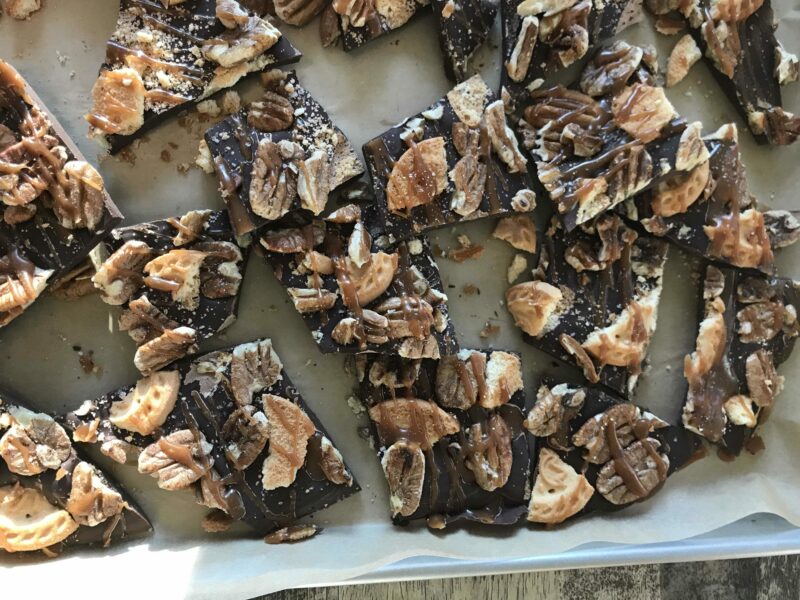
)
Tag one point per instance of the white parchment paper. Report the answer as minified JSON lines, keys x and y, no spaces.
{"x":59,"y":51}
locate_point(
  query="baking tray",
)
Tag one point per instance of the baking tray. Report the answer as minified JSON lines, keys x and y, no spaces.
{"x":366,"y":92}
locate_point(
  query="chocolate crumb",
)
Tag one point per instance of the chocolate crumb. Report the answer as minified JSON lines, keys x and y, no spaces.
{"x":489,"y":330}
{"x":216,"y":521}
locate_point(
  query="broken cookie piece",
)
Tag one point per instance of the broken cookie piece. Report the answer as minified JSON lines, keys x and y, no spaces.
{"x":450,"y":436}
{"x":616,"y":136}
{"x":229,"y":426}
{"x":51,"y":496}
{"x":282,"y":154}
{"x":456,"y":161}
{"x":463,"y":28}
{"x":356,"y":293}
{"x":709,"y":210}
{"x":164,"y":56}
{"x":177,"y":281}
{"x":55,"y":207}
{"x":598,"y":453}
{"x":542,"y":36}
{"x":747,"y":329}
{"x":594,"y":299}
{"x":748,"y":62}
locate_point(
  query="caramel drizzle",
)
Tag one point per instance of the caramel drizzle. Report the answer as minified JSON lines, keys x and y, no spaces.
{"x":161,"y":284}
{"x":345,"y":281}
{"x":15,"y":266}
{"x":623,"y":468}
{"x":116,"y":52}
{"x":382,"y":160}
{"x":180,"y":454}
{"x":159,"y":96}
{"x":410,"y":302}
{"x":23,"y":452}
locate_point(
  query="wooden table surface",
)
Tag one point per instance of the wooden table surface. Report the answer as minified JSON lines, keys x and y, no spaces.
{"x":775,"y":578}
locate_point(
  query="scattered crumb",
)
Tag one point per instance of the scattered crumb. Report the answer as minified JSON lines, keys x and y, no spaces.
{"x":471,"y":289}
{"x":231,"y":102}
{"x":666,"y":25}
{"x":87,"y":362}
{"x":127,"y":155}
{"x":489,"y":330}
{"x":62,"y":58}
{"x":517,"y":267}
{"x":293,"y":533}
{"x":183,"y":168}
{"x":166,"y":156}
{"x":209,"y":108}
{"x":355,"y":405}
{"x":203,"y":159}
{"x":465,"y":251}
{"x":216,"y":521}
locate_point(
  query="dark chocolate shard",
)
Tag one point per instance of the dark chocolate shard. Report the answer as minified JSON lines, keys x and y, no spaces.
{"x":53,"y":497}
{"x":282,"y":154}
{"x":177,"y":281}
{"x":598,"y":453}
{"x":594,"y":300}
{"x":748,"y":327}
{"x":230,"y":426}
{"x":450,"y":435}
{"x":161,"y":59}
{"x":748,"y":62}
{"x":542,"y":36}
{"x":463,"y":29}
{"x":361,"y":21}
{"x":708,"y":210}
{"x":356,"y":293}
{"x":55,"y":204}
{"x":617,"y":136}
{"x":456,"y":161}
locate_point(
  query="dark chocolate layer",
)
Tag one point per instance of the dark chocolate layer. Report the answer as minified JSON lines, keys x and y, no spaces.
{"x":463,"y":28}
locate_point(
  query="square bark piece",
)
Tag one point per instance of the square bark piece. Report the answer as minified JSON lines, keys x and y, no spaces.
{"x":282,"y":154}
{"x":748,"y":326}
{"x":593,"y":301}
{"x":463,"y":28}
{"x":51,"y":496}
{"x":456,"y":161}
{"x":230,"y":426}
{"x":162,"y":59}
{"x":178,"y":281}
{"x":450,"y":437}
{"x":55,"y":207}
{"x":598,"y":453}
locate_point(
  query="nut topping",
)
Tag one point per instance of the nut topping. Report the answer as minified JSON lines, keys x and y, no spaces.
{"x":520,"y":60}
{"x":628,"y":423}
{"x":273,"y":187}
{"x":230,"y":13}
{"x":418,"y":176}
{"x":763,"y":381}
{"x":642,"y":111}
{"x":254,"y":367}
{"x":683,"y":56}
{"x":675,"y":196}
{"x":762,"y":321}
{"x":503,"y":139}
{"x":120,"y":275}
{"x":404,"y":467}
{"x":313,"y":183}
{"x":329,"y":26}
{"x":177,"y":460}
{"x":611,"y":69}
{"x":143,"y":321}
{"x":289,"y":430}
{"x":177,"y":272}
{"x":291,"y":534}
{"x":118,"y":102}
{"x":294,"y":240}
{"x":372,"y":279}
{"x":739,"y":409}
{"x":298,"y":12}
{"x":309,"y":300}
{"x":733,"y":11}
{"x":469,"y":174}
{"x":29,"y":522}
{"x":85,"y":197}
{"x":549,"y":7}
{"x":332,"y":464}
{"x":559,"y":492}
{"x":220,"y":275}
{"x":236,"y":46}
{"x":190,"y":227}
{"x":743,"y":241}
{"x":420,"y":421}
{"x":244,"y":435}
{"x":356,"y":11}
{"x":350,"y":213}
{"x":533,"y":304}
{"x":783,"y":228}
{"x":273,"y":112}
{"x":168,"y":347}
{"x":518,"y":231}
{"x":145,"y":408}
{"x":549,"y":414}
{"x":488,"y":453}
{"x":787,"y":66}
{"x":649,"y":468}
{"x":34,"y":443}
{"x":91,"y":501}
{"x":457,"y":379}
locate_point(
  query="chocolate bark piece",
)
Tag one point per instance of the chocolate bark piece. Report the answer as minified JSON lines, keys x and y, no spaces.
{"x":463,"y":28}
{"x":177,"y":281}
{"x":708,"y":211}
{"x":598,"y":453}
{"x":361,"y":21}
{"x":542,"y":36}
{"x":616,"y":136}
{"x":456,"y":161}
{"x":748,"y":327}
{"x":748,"y":62}
{"x":282,"y":154}
{"x":53,"y":497}
{"x":593,"y":300}
{"x":230,"y":426}
{"x":357,"y":294}
{"x":163,"y":58}
{"x":55,"y":207}
{"x":449,"y":434}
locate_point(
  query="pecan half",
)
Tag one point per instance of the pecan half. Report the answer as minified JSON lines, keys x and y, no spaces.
{"x":84,"y":197}
{"x":332,"y":464}
{"x":168,"y":347}
{"x":503,"y":139}
{"x":488,"y":452}
{"x":143,"y":321}
{"x":456,"y":384}
{"x":33,"y":444}
{"x":244,"y":436}
{"x":313,"y":182}
{"x":650,"y":472}
{"x":611,"y":69}
{"x":298,"y":12}
{"x":309,"y":300}
{"x":254,"y":367}
{"x":404,"y":467}
{"x":273,"y":112}
{"x":273,"y":187}
{"x":627,"y":421}
{"x":763,"y":381}
{"x":520,"y":59}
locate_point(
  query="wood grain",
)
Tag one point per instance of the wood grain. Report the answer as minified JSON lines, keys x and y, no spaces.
{"x":773,"y":578}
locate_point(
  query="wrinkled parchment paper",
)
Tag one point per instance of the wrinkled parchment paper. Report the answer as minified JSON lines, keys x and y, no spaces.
{"x":59,"y":51}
